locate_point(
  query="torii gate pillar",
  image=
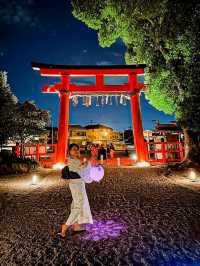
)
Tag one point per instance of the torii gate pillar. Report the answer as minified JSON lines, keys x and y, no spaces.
{"x":63,"y":125}
{"x":140,"y":145}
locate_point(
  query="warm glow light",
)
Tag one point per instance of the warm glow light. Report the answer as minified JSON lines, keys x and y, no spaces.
{"x":34,"y":179}
{"x":106,"y":133}
{"x":58,"y":166}
{"x":133,"y":157}
{"x":118,"y":161}
{"x":192,"y":175}
{"x":142,"y":164}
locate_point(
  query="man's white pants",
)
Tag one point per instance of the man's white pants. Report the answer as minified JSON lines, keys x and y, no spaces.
{"x":80,"y":208}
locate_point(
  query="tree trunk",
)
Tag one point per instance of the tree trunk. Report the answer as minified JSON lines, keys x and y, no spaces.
{"x":192,"y":146}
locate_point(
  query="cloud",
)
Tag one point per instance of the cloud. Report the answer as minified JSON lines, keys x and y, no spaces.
{"x":105,"y":62}
{"x":117,"y":54}
{"x":16,"y":12}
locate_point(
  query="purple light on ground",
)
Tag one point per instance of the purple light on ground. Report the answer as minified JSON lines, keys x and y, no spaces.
{"x":102,"y":229}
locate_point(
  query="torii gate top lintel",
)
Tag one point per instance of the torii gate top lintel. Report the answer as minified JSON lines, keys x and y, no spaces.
{"x":99,"y":71}
{"x":76,"y":70}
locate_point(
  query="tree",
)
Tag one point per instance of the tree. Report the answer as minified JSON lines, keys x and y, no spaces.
{"x":8,"y":103}
{"x":30,"y":121}
{"x":19,"y":121}
{"x":164,"y":35}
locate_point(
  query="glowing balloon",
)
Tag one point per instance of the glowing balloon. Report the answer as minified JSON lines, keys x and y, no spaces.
{"x":96,"y":173}
{"x":85,"y":173}
{"x":92,"y":173}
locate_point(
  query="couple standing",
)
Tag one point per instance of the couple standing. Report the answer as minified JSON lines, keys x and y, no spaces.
{"x":80,"y":208}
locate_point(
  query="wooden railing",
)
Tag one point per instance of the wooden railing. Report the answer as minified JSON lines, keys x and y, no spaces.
{"x":41,"y":151}
{"x":165,"y":152}
{"x":158,"y":152}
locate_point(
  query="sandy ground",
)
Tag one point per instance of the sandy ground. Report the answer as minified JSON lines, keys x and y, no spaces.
{"x":140,"y":218}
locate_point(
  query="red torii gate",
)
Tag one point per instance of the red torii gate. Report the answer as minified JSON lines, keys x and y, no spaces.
{"x":65,"y":89}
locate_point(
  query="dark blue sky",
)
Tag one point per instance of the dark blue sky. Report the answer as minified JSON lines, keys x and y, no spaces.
{"x":46,"y":31}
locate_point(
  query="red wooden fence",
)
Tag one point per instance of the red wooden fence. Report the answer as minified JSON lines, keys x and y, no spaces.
{"x":41,"y":151}
{"x":158,"y":152}
{"x":165,"y":152}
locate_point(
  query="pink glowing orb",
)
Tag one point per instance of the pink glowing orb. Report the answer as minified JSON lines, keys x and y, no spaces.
{"x":96,"y":173}
{"x":92,"y":173}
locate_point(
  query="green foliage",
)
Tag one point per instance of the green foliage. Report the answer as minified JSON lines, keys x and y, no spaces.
{"x":29,"y":121}
{"x":164,"y":35}
{"x":7,"y":107}
{"x":162,"y":101}
{"x":19,"y":121}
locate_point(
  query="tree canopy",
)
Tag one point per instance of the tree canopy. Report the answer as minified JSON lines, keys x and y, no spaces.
{"x":8,"y":103}
{"x":19,"y":121}
{"x":29,"y":121}
{"x":163,"y":34}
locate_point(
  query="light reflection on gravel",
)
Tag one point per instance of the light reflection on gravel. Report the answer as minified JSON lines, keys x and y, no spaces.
{"x":100,"y":230}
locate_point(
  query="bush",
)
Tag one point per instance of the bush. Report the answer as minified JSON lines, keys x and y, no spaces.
{"x":12,"y":165}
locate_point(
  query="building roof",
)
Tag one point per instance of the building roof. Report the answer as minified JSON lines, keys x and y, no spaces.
{"x":167,"y":127}
{"x":79,"y":127}
{"x":97,"y":126}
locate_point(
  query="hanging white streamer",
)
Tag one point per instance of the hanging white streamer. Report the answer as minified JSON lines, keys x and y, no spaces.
{"x":107,"y":98}
{"x":121,"y":99}
{"x":124,"y":100}
{"x":84,"y":100}
{"x":110,"y":100}
{"x":116,"y":100}
{"x":97,"y":101}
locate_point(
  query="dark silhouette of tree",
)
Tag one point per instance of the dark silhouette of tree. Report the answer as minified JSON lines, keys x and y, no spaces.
{"x":8,"y":103}
{"x":19,"y":121}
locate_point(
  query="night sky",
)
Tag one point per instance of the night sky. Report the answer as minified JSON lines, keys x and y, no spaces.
{"x":46,"y":31}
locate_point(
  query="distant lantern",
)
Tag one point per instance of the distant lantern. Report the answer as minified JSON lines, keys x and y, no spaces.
{"x":34,"y":179}
{"x":192,"y":175}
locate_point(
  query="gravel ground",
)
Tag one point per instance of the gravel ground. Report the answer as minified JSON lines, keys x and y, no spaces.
{"x":140,"y":218}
